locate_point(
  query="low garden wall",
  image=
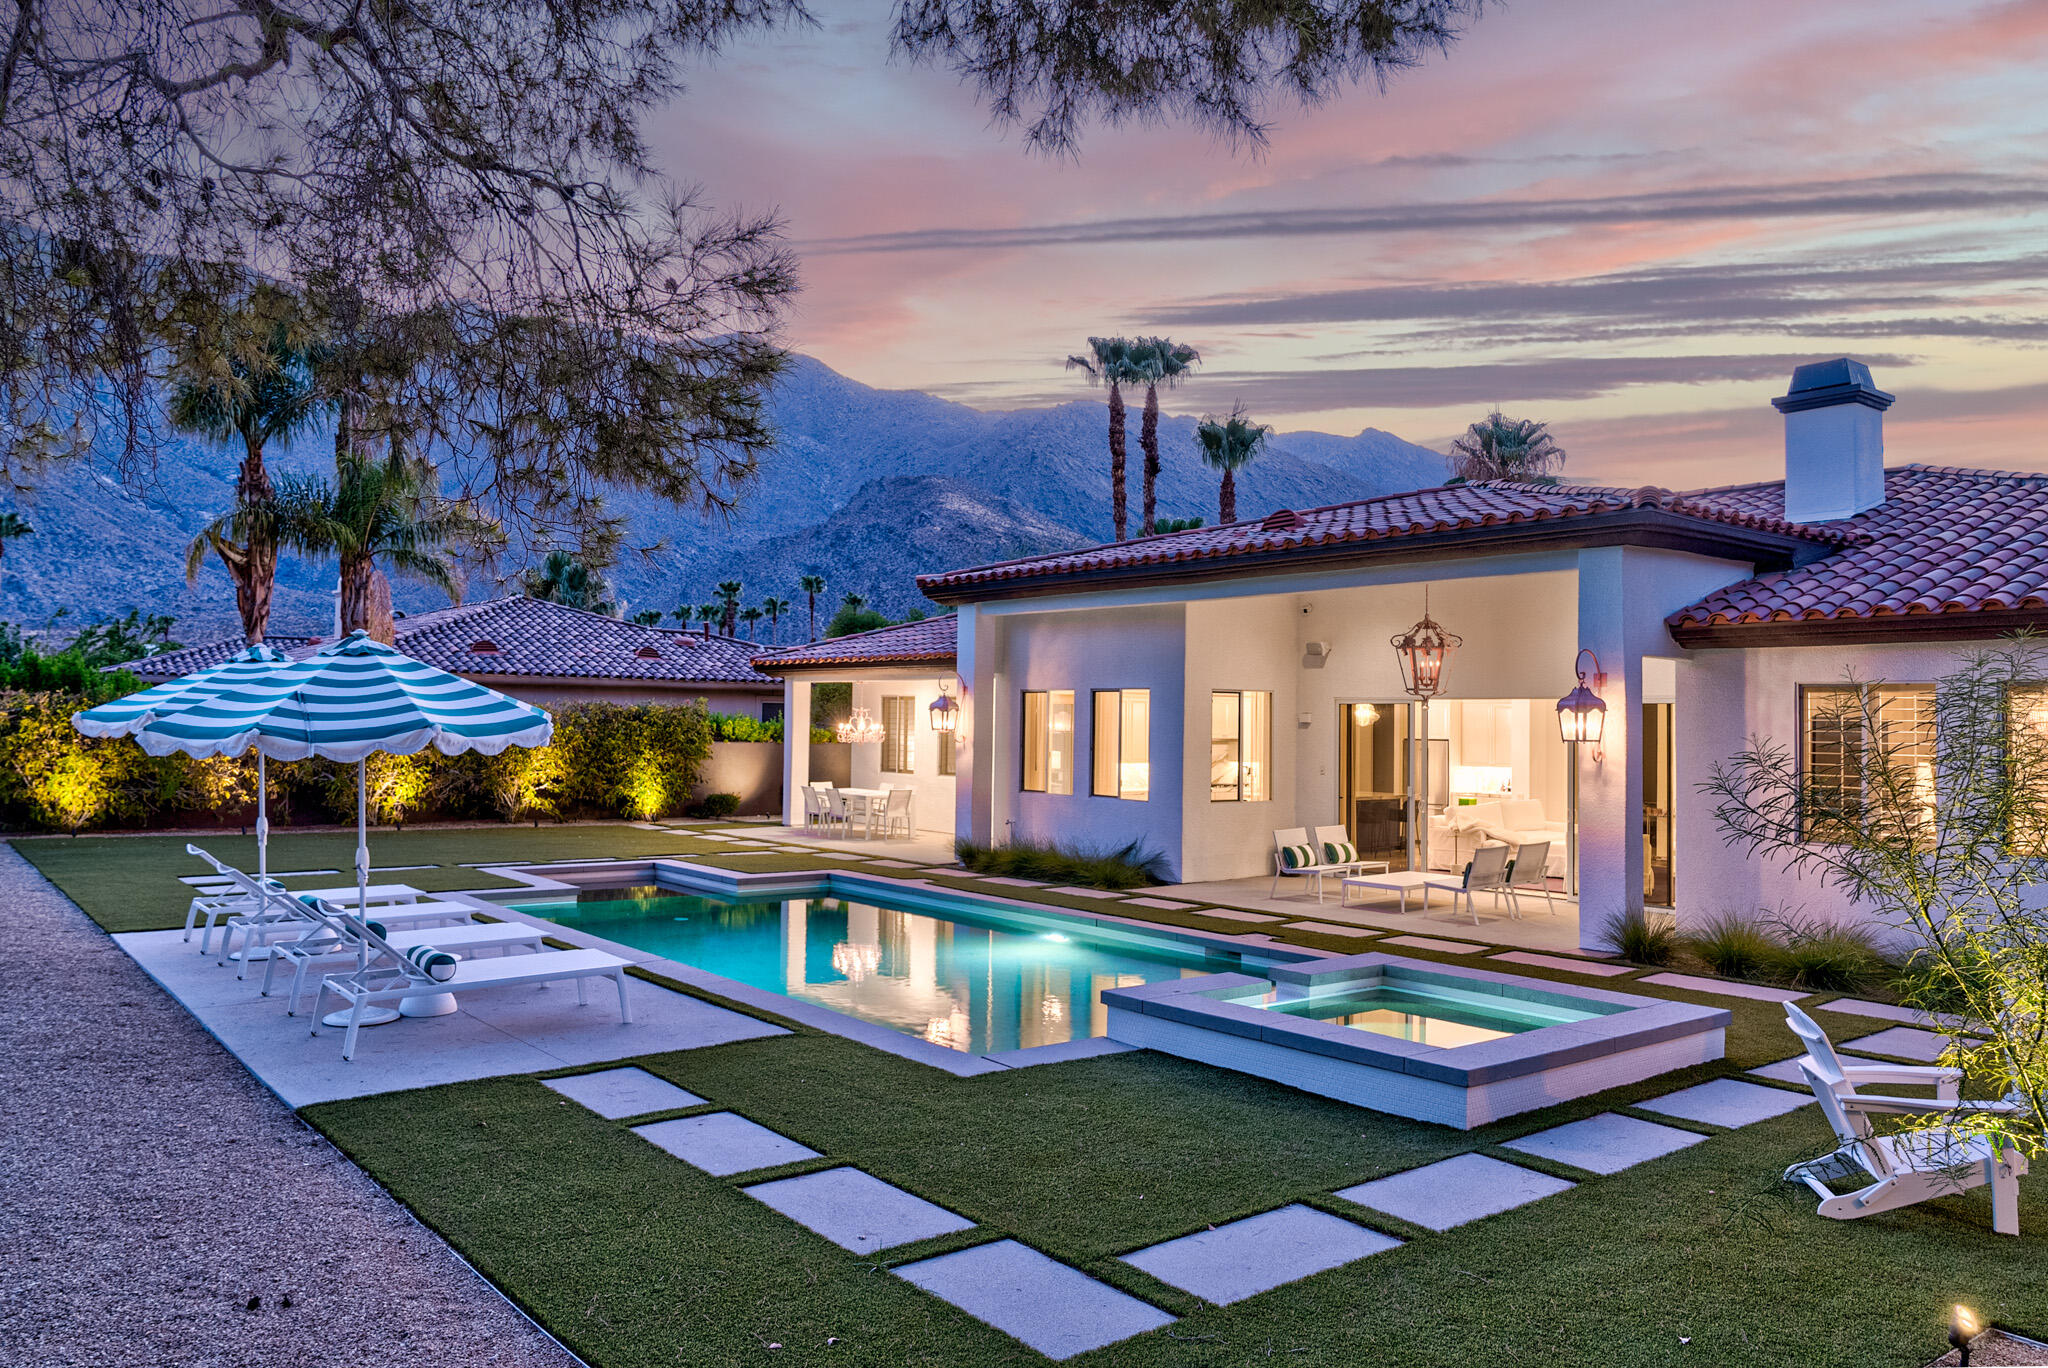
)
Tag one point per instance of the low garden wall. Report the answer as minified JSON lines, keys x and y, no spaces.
{"x":750,"y":770}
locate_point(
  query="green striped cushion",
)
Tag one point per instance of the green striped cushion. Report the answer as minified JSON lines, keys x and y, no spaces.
{"x":1297,"y":856}
{"x":437,"y":965}
{"x":1339,"y":852}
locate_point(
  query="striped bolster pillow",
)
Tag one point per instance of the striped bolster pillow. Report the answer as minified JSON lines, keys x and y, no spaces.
{"x":437,"y":965}
{"x":1297,"y":856}
{"x":1339,"y":852}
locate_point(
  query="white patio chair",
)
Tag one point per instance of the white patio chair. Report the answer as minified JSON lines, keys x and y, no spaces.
{"x":1333,"y":847}
{"x":1486,"y":873}
{"x":1905,"y":1168}
{"x":1528,"y":872}
{"x":814,"y":808}
{"x":214,"y":906}
{"x":896,"y":813}
{"x":1296,"y":856}
{"x":386,"y":976}
{"x":330,"y":937}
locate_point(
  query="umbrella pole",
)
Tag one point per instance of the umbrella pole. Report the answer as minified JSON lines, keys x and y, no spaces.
{"x":262,"y":819}
{"x":372,"y":1016}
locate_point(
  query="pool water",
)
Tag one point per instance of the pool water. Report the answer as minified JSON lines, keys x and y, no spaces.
{"x":1446,"y":1019}
{"x":964,"y":982}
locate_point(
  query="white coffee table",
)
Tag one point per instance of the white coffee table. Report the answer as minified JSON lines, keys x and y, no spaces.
{"x":1402,"y":882}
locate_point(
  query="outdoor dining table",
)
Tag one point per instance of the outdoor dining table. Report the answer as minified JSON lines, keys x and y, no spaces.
{"x":866,"y":796}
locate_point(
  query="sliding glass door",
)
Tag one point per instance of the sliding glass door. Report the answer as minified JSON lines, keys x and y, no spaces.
{"x":1373,"y":779}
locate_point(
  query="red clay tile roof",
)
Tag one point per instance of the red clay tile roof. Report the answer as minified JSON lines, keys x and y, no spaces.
{"x":186,"y":659}
{"x":926,"y":641}
{"x":1421,"y":512}
{"x":1947,"y":540}
{"x":533,"y":639}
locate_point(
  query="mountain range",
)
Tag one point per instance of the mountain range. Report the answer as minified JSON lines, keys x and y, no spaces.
{"x":866,"y":487}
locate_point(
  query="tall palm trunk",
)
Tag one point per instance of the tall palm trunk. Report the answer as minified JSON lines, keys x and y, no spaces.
{"x":1226,"y":501}
{"x":255,"y":570}
{"x":814,"y":615}
{"x":1119,"y":494}
{"x":1148,"y":438}
{"x":360,"y":598}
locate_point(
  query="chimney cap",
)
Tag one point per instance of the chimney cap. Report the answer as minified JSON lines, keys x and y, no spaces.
{"x":1823,"y":384}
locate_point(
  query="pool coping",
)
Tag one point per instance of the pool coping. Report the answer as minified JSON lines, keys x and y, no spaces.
{"x":683,"y":876}
{"x":1206,"y":1004}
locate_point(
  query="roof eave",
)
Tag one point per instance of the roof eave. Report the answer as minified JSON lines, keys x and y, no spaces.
{"x":1890,"y":629}
{"x":1655,"y":528}
{"x":779,"y":668}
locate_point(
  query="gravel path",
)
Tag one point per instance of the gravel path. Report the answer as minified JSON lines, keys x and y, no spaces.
{"x":154,"y":1191}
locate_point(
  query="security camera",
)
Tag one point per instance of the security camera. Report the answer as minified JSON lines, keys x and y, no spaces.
{"x":1307,"y":608}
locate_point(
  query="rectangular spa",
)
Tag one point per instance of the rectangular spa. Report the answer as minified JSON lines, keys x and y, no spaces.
{"x":1436,"y":1042}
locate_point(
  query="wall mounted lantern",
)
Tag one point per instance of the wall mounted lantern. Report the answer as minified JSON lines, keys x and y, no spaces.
{"x":1582,"y":713}
{"x":945,"y":712}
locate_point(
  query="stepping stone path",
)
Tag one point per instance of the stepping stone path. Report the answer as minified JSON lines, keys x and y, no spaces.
{"x":1009,"y":882}
{"x":1727,"y":1102}
{"x":1085,"y":892}
{"x":856,"y":1210}
{"x":1605,"y":1143}
{"x":1885,"y":1011}
{"x":1057,"y":1310}
{"x":724,"y":1143}
{"x":1431,"y":943}
{"x":891,"y":864}
{"x":1722,"y":988}
{"x":1570,"y":966}
{"x":1332,"y":929}
{"x":1787,"y":1070}
{"x":1453,"y":1191}
{"x":1904,"y":1042}
{"x":1232,"y":914}
{"x":1163,"y":904}
{"x":1241,"y":1259}
{"x":614,"y":1093}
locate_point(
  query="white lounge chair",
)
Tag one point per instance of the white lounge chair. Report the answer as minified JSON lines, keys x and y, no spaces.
{"x":288,"y":914}
{"x":1905,"y":1168}
{"x":328,"y":937}
{"x":1487,"y":873}
{"x":214,"y":906}
{"x":386,"y":977}
{"x":1298,"y":856}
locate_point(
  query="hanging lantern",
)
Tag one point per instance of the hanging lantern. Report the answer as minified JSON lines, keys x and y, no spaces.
{"x":945,"y":713}
{"x":1582,"y":713}
{"x":861,"y":729}
{"x":1423,"y":652}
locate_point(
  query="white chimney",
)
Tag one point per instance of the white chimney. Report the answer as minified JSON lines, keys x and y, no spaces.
{"x":1834,"y":441}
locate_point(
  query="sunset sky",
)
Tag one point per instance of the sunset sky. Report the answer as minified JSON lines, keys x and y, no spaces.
{"x":1629,"y":218}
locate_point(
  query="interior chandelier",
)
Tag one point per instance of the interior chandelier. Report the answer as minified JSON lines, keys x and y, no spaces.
{"x":860,"y":728}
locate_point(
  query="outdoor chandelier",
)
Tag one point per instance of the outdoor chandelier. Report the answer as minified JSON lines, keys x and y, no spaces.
{"x":945,"y":713}
{"x":1422,"y":652}
{"x":1582,"y":713}
{"x":860,"y":728}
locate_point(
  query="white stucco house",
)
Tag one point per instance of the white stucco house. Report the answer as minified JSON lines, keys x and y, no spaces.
{"x":1197,"y":690}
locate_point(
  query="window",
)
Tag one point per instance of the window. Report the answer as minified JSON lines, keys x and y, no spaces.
{"x":1123,"y":743}
{"x":1049,"y":741}
{"x":1240,"y":747}
{"x":949,"y":752}
{"x":897,"y":715}
{"x":1860,"y":735}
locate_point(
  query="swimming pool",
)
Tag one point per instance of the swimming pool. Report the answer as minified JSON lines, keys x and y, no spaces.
{"x":962,"y":981}
{"x":1427,"y":1015}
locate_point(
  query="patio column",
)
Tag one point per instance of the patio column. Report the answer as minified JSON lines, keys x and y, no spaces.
{"x":975,"y":778}
{"x":1610,"y":811}
{"x":796,"y":747}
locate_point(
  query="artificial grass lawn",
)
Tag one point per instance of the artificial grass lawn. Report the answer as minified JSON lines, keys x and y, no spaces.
{"x":635,"y":1258}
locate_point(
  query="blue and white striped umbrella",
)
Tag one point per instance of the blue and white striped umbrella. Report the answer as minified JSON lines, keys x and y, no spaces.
{"x":126,"y":716}
{"x":345,"y":702}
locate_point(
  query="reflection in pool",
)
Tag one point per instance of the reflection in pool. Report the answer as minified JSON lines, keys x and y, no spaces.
{"x":959,"y":981}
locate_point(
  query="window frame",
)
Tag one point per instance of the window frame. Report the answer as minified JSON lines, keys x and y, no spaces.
{"x":1247,"y":754}
{"x":1025,"y":729}
{"x":1870,"y":700}
{"x":899,"y":738}
{"x":1111,"y":743}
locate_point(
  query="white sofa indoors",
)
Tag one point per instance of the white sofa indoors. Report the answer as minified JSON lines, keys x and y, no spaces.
{"x":1456,"y":832}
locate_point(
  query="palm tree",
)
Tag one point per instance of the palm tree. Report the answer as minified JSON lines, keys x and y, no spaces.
{"x":750,"y":616}
{"x":564,"y":578}
{"x":264,"y":397}
{"x":708,"y":613}
{"x":646,"y":617}
{"x":389,"y":511}
{"x":775,"y":608}
{"x":811,"y":586}
{"x":1230,"y":446}
{"x":1162,"y":362}
{"x":1113,"y":362}
{"x":683,"y":614}
{"x":12,"y":526}
{"x":729,"y":597}
{"x":1502,"y":448}
{"x":853,"y":603}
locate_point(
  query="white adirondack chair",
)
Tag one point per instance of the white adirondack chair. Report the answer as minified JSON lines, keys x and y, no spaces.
{"x":1907,"y":1168}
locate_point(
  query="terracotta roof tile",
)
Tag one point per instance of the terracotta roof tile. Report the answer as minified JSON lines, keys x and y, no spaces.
{"x":1388,"y":517}
{"x":1947,"y":540}
{"x":928,"y":640}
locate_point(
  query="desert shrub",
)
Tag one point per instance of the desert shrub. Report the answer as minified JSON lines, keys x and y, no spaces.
{"x":1735,"y":946}
{"x":57,"y":779}
{"x":1643,"y":939}
{"x":735,"y":727}
{"x":1129,"y":866}
{"x":1828,"y":957}
{"x":714,"y":806}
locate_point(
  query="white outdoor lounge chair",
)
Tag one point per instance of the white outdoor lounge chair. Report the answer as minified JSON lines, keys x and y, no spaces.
{"x":288,"y":914}
{"x":214,"y":906}
{"x":1528,"y":872}
{"x":1297,"y":856}
{"x":1905,"y":1168}
{"x":328,"y":937}
{"x":386,"y":977}
{"x":1487,"y":873}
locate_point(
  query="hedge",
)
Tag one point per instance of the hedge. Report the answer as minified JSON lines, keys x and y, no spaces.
{"x":608,"y":759}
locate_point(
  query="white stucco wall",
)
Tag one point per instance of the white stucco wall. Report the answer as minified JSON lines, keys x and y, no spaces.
{"x":933,"y":802}
{"x":1727,"y":696}
{"x":1238,"y":644}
